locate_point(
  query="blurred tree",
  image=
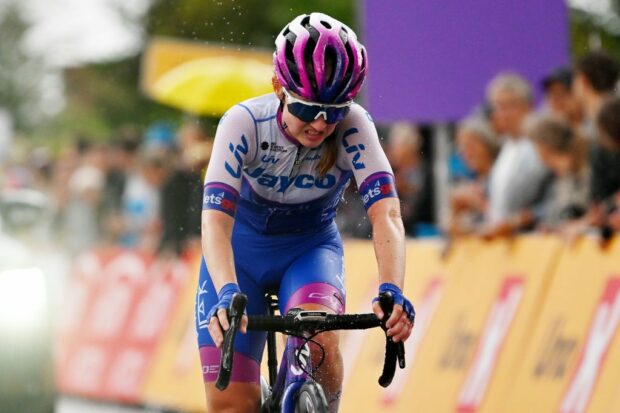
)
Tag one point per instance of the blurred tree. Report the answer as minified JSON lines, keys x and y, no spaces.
{"x":240,"y":22}
{"x":20,"y":74}
{"x":101,"y":98}
{"x":595,"y":31}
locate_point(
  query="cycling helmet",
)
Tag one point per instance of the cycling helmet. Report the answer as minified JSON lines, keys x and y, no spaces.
{"x":319,"y":58}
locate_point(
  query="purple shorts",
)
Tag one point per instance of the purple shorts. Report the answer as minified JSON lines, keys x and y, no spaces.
{"x":300,"y":268}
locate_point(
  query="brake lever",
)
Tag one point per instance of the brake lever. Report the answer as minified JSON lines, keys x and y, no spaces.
{"x":235,"y":312}
{"x":394,"y":352}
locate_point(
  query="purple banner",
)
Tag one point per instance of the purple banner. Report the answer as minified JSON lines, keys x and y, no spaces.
{"x":430,"y":60}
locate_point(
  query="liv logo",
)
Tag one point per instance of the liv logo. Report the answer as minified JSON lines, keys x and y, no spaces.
{"x":303,"y":357}
{"x":270,"y":158}
{"x":502,"y":313}
{"x":354,"y":149}
{"x":603,"y":328}
{"x":237,"y":151}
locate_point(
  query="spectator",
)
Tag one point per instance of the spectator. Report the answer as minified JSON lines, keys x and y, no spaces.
{"x":351,"y":219}
{"x":559,"y":101}
{"x":159,"y":136}
{"x":596,"y":76}
{"x":607,"y":181}
{"x":84,"y":193}
{"x":478,"y":147}
{"x":142,"y":202}
{"x":518,"y":178}
{"x":566,"y":155}
{"x":412,"y":175}
{"x":182,"y":191}
{"x":608,"y":123}
{"x":121,"y":161}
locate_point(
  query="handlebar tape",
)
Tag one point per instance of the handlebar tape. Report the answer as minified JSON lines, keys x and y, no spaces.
{"x":394,"y":352}
{"x":236,"y":310}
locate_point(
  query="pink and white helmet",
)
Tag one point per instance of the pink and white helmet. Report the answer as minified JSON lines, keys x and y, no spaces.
{"x":320,"y":59}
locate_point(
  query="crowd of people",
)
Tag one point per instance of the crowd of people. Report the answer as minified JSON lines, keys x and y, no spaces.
{"x":555,"y":167}
{"x":552,"y":168}
{"x":139,"y":190}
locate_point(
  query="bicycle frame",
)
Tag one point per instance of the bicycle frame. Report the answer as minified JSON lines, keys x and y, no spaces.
{"x":291,"y":376}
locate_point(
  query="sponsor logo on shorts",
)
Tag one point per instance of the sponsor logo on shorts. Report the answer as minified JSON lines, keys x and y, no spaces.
{"x":211,"y":369}
{"x":331,"y":300}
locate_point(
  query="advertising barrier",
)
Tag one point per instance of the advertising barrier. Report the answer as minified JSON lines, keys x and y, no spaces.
{"x":118,"y":308}
{"x":572,"y":363}
{"x":480,"y":325}
{"x":363,"y":350}
{"x":527,"y":324}
{"x":175,"y":379}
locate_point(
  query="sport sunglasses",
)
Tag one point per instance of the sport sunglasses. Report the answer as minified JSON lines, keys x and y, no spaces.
{"x":311,"y":111}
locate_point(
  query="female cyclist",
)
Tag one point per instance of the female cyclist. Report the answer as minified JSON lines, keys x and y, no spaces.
{"x":279,"y":166}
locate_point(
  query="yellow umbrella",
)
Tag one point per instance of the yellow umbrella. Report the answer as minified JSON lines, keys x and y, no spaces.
{"x":211,"y":85}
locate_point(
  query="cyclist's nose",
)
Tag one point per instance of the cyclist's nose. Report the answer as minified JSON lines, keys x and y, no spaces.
{"x":319,"y":124}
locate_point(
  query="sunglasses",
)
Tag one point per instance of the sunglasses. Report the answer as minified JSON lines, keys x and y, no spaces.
{"x":311,"y":111}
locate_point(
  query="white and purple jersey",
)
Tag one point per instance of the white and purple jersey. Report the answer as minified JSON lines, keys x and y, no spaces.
{"x":263,"y":177}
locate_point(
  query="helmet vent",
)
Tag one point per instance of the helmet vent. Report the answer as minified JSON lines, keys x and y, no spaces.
{"x":308,"y":57}
{"x":290,"y":58}
{"x":351,"y":57}
{"x":327,"y":25}
{"x":330,"y":64}
{"x":305,"y":22}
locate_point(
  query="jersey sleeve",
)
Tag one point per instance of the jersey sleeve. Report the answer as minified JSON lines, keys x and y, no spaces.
{"x":361,"y":153}
{"x":234,"y":146}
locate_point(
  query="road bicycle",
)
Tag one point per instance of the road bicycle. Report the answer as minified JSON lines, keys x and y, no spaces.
{"x":292,"y":388}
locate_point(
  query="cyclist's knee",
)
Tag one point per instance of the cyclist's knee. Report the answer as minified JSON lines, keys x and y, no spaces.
{"x":237,"y":398}
{"x":329,"y":340}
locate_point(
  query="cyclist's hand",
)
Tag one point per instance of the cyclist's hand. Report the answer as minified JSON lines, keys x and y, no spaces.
{"x":218,"y":315}
{"x":400,"y":324}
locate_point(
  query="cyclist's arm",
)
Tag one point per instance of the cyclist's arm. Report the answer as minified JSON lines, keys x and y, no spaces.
{"x":234,"y":145}
{"x":365,"y":157}
{"x":388,"y":236}
{"x":216,"y":247}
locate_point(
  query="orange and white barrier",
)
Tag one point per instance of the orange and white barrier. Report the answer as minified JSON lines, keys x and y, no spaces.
{"x":518,"y":325}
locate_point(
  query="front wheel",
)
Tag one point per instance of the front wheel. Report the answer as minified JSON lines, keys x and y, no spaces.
{"x":311,"y":399}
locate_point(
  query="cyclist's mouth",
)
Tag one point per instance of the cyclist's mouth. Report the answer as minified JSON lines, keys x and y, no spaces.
{"x":313,"y":135}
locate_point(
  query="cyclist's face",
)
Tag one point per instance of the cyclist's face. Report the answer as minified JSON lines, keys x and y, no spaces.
{"x":310,"y":134}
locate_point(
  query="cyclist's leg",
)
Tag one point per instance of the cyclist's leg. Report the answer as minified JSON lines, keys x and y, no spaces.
{"x":315,"y":281}
{"x":243,"y":393}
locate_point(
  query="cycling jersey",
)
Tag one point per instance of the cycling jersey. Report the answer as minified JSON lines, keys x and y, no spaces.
{"x":284,"y":238}
{"x":264,"y":175}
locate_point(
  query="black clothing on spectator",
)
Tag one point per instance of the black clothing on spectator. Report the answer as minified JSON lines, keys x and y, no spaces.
{"x":181,"y":208}
{"x":605,"y":173}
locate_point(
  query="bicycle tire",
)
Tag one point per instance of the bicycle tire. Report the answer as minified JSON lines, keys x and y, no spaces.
{"x":311,"y":399}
